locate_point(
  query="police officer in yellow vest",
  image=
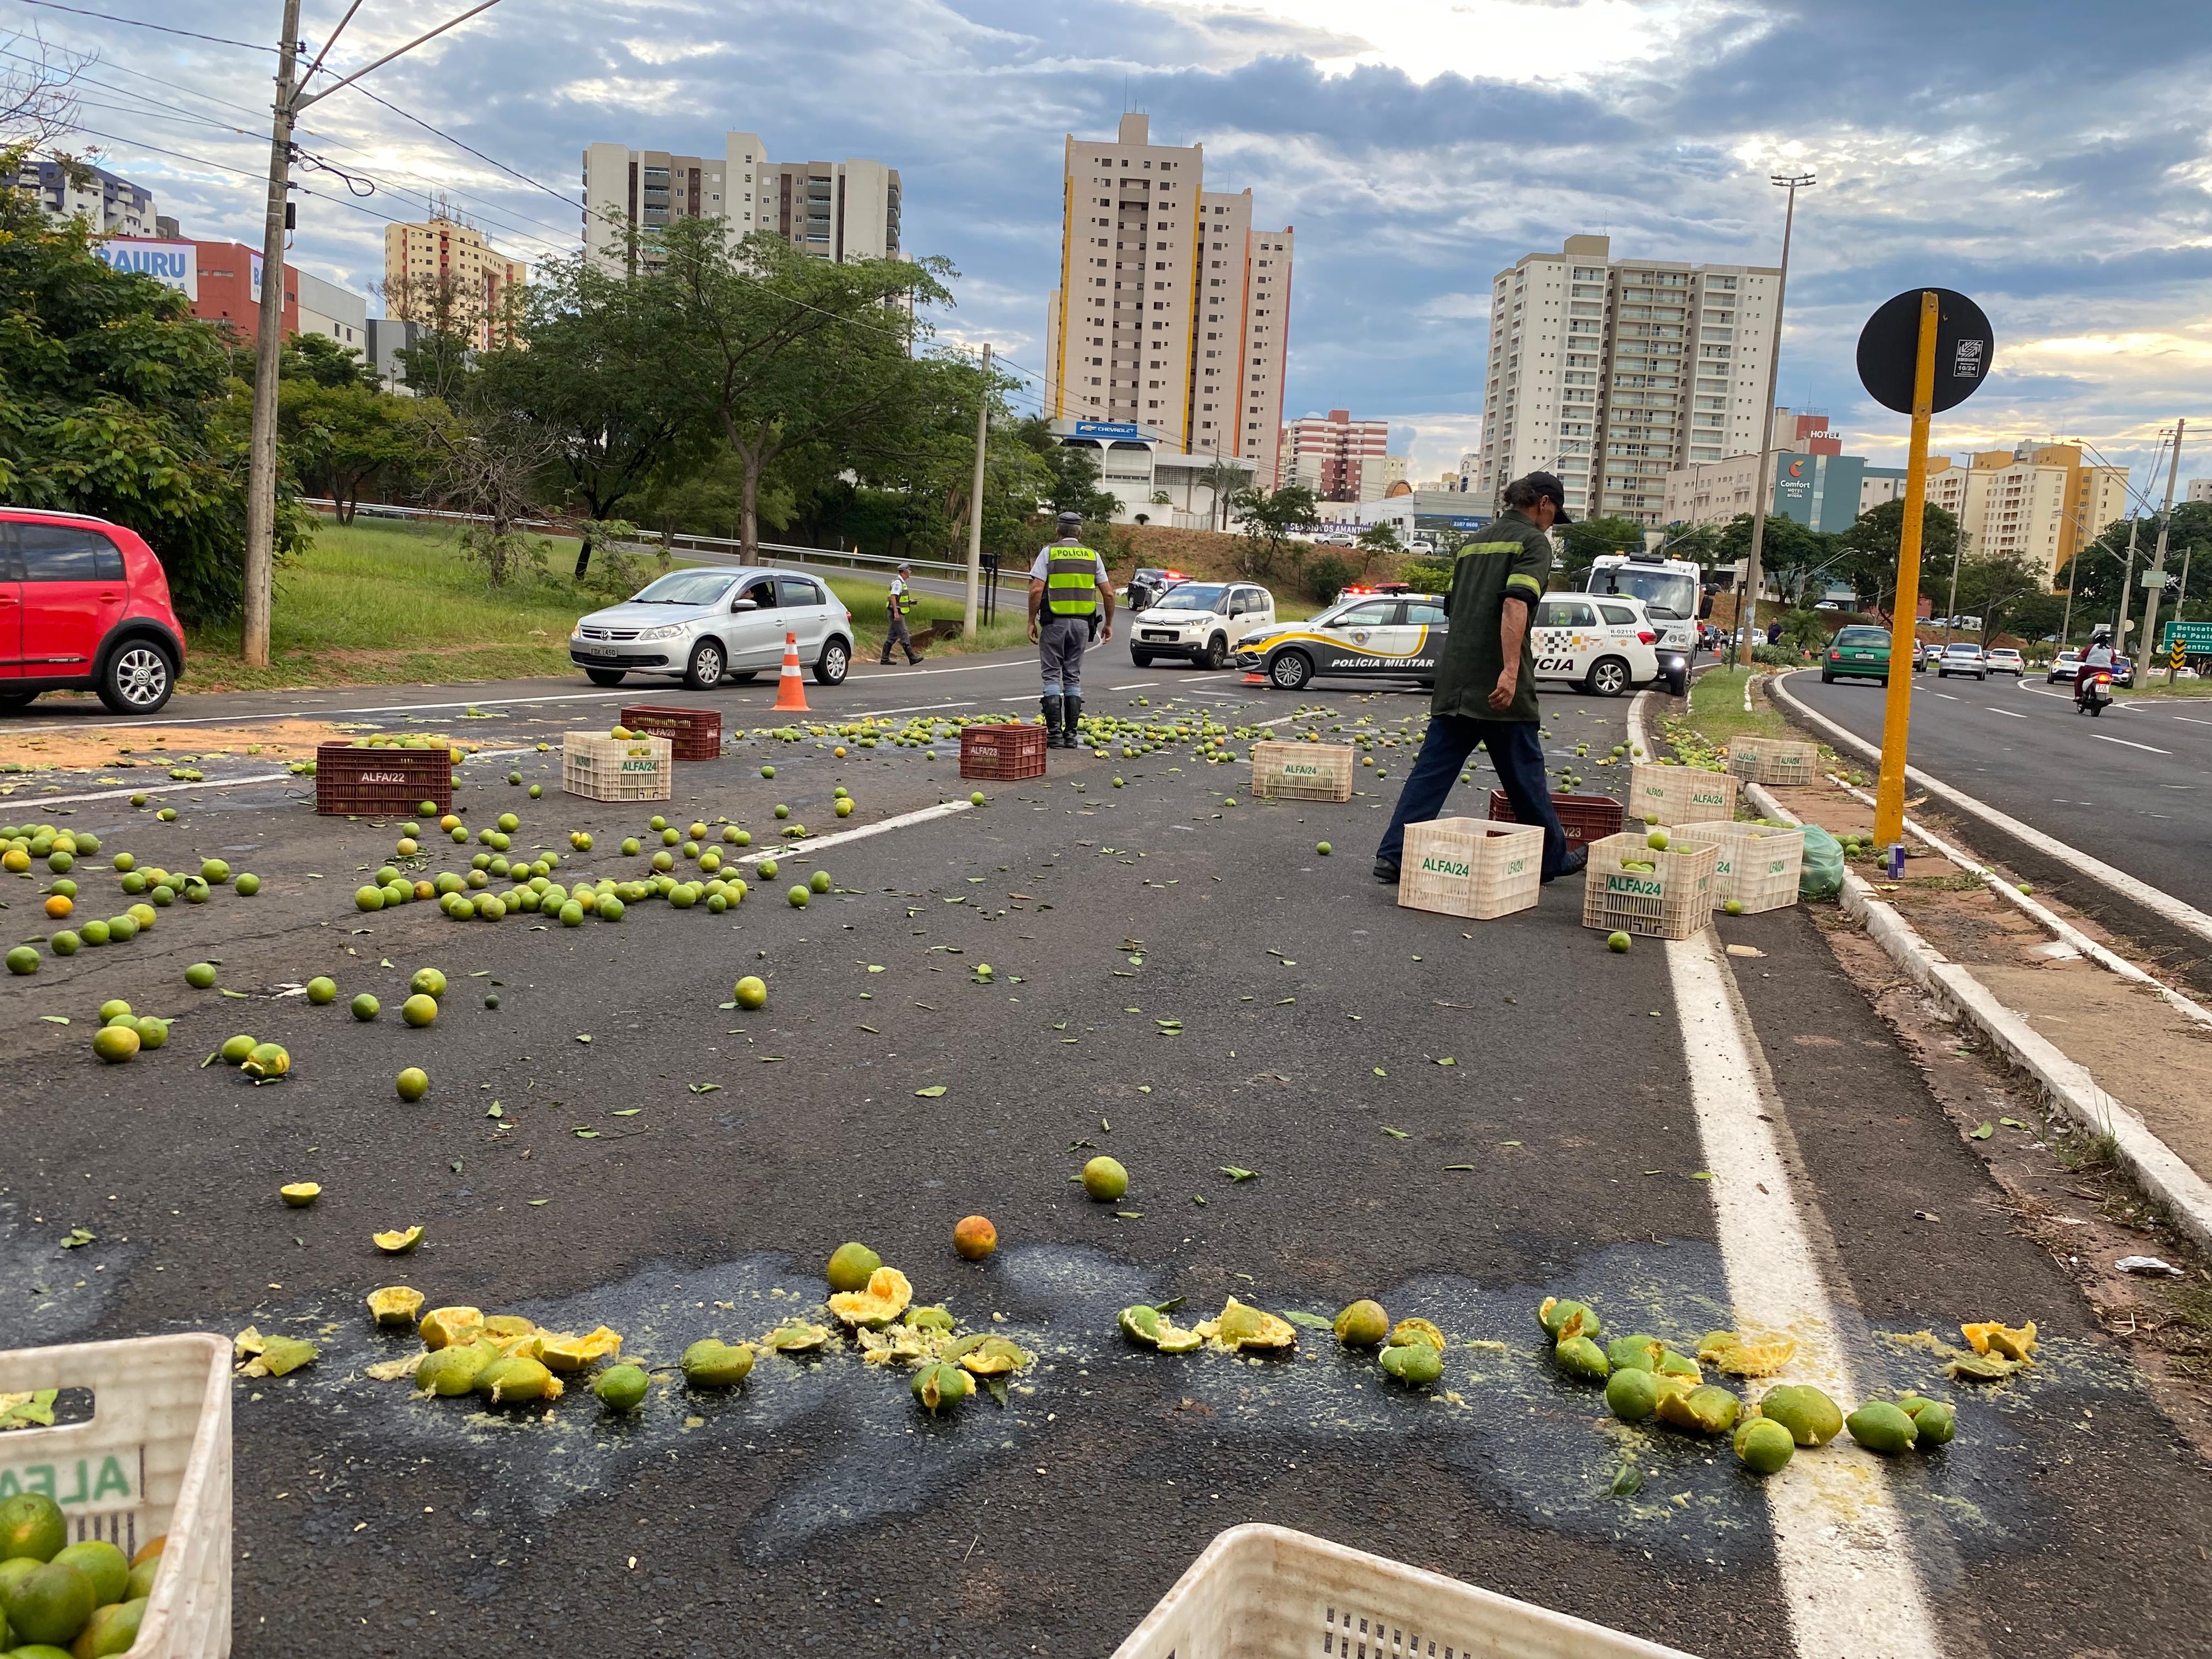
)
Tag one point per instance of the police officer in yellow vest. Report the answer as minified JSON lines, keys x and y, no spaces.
{"x":1069,"y":595}
{"x":900,"y":601}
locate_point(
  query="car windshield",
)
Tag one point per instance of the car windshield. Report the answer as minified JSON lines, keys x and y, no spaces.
{"x":1861,"y":636}
{"x":1669,"y":594}
{"x":685,"y":587}
{"x":1962,"y":650}
{"x":1193,"y":596}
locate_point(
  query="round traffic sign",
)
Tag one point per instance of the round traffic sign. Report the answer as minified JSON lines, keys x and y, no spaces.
{"x":1890,"y":343}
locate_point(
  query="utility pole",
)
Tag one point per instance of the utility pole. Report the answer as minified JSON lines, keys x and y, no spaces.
{"x":2180,"y":600}
{"x":292,"y":98}
{"x":975,"y":499}
{"x":2155,"y":589}
{"x":1747,"y":602}
{"x":1958,"y":547}
{"x":2127,"y":581}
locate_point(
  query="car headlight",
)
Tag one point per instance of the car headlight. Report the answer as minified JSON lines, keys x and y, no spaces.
{"x":667,"y":631}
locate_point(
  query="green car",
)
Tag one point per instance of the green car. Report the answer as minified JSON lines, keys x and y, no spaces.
{"x":1857,"y":653}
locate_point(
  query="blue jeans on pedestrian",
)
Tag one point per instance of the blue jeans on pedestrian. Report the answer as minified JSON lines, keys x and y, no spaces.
{"x":1516,"y":749}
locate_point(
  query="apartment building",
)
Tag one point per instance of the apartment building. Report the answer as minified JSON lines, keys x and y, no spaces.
{"x":1811,"y":480}
{"x":835,"y":211}
{"x":110,"y":204}
{"x":2200,"y":489}
{"x":1614,"y":372}
{"x":441,"y":272}
{"x":2036,"y":502}
{"x":1173,"y":309}
{"x":1330,"y":454}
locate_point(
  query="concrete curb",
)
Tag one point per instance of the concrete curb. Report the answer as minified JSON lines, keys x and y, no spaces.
{"x":2063,"y":1083}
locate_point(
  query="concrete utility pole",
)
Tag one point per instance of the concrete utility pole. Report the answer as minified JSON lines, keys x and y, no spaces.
{"x":2155,"y":590}
{"x":2180,"y":600}
{"x":1747,"y":604}
{"x":268,"y":347}
{"x":976,"y":500}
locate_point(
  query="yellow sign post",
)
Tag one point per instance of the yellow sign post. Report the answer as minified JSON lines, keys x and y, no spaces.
{"x":1897,"y":713}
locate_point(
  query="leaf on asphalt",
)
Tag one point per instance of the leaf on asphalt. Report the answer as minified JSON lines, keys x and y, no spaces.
{"x":725,"y":1006}
{"x":629,"y":1111}
{"x":1279,"y":1001}
{"x":997,"y":1387}
{"x":455,"y":1166}
{"x":1395,"y":1134}
{"x":703,"y":1088}
{"x":1104,"y":1125}
{"x":871,"y":1030}
{"x":240,"y":995}
{"x":1509,"y":1143}
{"x":2012,"y":1123}
{"x":385,"y":962}
{"x":1129,"y":1215}
{"x":55,"y":1019}
{"x":1379,"y":1071}
{"x":1236,"y":1175}
{"x":496,"y":1110}
{"x":78,"y":1237}
{"x":930,"y":1092}
{"x":1311,"y":1321}
{"x":771,"y":1060}
{"x":1982,"y":1131}
{"x":1459,"y":1166}
{"x":1628,"y":1482}
{"x":535,"y":1202}
{"x":1196,"y":1199}
{"x":583,"y":1036}
{"x":1701,"y":1174}
{"x":875,"y":968}
{"x":1144,"y":1088}
{"x":585,"y":1135}
{"x":1170,"y":1305}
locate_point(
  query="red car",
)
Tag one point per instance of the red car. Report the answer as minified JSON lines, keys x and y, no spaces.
{"x":83,"y":607}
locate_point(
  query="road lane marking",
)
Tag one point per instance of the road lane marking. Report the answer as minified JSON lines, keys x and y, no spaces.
{"x":2164,"y":905}
{"x":1134,"y":685}
{"x":2014,"y":713}
{"x":1949,"y":697}
{"x":1840,"y":1541}
{"x":2187,"y":720}
{"x":165,"y":787}
{"x":2102,"y":737}
{"x":333,"y":713}
{"x":909,"y":708}
{"x":816,"y":843}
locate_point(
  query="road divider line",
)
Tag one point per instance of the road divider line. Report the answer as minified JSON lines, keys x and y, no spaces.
{"x":817,"y":844}
{"x":2010,"y":713}
{"x":2102,"y":737}
{"x":165,"y":787}
{"x":1839,"y":1543}
{"x":909,"y":708}
{"x":2162,"y":905}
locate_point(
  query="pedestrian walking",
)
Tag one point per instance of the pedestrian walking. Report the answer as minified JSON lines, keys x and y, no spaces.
{"x":1071,"y":602}
{"x":1485,"y":690}
{"x":894,"y":632}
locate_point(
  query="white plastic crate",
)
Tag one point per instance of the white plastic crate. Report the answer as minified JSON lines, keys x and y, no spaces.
{"x":1760,"y":864}
{"x":1673,"y":899}
{"x":600,"y":767}
{"x":1479,"y":868}
{"x":1679,"y":795}
{"x":152,"y":1459}
{"x":1262,"y":1592}
{"x":1785,"y":762}
{"x":1302,"y":771}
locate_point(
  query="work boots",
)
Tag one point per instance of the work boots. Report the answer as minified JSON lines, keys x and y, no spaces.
{"x":1073,"y":714}
{"x":1052,"y":715}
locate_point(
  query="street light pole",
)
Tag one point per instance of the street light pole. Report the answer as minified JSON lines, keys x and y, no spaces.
{"x":292,"y":98}
{"x":1792,"y":182}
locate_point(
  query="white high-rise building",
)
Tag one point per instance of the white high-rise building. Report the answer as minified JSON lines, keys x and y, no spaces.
{"x":835,"y":210}
{"x":1613,"y":372}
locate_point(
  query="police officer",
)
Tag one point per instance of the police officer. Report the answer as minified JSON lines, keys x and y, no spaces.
{"x":1486,"y":690}
{"x":1070,"y":599}
{"x":900,"y":602}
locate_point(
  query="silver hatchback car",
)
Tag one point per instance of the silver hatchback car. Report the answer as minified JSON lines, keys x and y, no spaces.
{"x":708,"y":625}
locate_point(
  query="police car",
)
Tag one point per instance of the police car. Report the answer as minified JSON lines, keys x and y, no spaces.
{"x":1604,"y":643}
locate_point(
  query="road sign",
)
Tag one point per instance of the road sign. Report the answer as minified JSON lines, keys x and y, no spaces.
{"x":1889,"y":344}
{"x":2176,"y":656}
{"x":2195,"y":638}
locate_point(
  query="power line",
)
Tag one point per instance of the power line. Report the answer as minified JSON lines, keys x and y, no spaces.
{"x":160,"y":28}
{"x":511,"y":173}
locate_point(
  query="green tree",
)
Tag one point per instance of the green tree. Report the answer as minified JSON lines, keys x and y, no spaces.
{"x":322,"y":361}
{"x":1868,"y":551}
{"x":115,"y":401}
{"x":2001,"y":589}
{"x":1268,"y":517}
{"x":1376,"y":541}
{"x":1074,"y":471}
{"x":1586,"y":539}
{"x":343,"y":438}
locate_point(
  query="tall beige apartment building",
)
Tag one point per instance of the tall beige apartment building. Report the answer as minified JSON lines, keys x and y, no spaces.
{"x":835,"y":211}
{"x":2038,"y":502}
{"x":1612,"y":373}
{"x":1339,"y":458}
{"x":443,"y":272}
{"x":1173,"y":310}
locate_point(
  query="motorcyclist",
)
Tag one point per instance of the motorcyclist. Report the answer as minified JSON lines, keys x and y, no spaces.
{"x":2096,"y":660}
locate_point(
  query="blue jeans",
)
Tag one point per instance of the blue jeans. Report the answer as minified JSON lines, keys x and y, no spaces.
{"x":1516,"y":749}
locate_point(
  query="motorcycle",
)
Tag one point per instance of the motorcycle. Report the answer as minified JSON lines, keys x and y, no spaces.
{"x":2094,"y":692}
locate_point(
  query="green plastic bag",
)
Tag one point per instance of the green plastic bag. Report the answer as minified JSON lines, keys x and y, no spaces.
{"x":1822,"y":874}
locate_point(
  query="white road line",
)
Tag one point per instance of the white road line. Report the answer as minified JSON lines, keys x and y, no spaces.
{"x":1134,"y":685}
{"x":2014,"y":713}
{"x":164,"y":788}
{"x":2186,"y":721}
{"x":1949,"y":697}
{"x":321,"y":713}
{"x":2102,"y":737}
{"x":2162,"y":904}
{"x":816,"y":843}
{"x":909,"y":708}
{"x":1840,"y":1542}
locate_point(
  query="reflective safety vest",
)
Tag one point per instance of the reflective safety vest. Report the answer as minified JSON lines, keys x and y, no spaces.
{"x":1071,"y":581}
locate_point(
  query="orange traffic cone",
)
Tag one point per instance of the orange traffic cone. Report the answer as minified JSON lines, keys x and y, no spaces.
{"x":1254,"y":679}
{"x":790,"y":688}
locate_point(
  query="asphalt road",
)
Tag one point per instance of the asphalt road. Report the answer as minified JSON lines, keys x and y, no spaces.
{"x":2132,"y":786}
{"x":1177,"y":980}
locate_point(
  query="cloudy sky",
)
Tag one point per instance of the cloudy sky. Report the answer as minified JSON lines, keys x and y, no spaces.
{"x":2054,"y":161}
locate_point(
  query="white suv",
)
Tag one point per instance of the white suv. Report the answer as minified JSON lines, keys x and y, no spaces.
{"x":1199,"y":621}
{"x":1603,"y":641}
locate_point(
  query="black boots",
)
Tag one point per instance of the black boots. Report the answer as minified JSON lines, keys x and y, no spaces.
{"x":1052,"y":717}
{"x":1072,"y":716}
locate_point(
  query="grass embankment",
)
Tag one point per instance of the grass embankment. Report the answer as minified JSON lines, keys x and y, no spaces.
{"x":390,"y":603}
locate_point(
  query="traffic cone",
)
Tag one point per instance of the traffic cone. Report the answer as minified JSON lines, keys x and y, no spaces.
{"x":1254,"y":679}
{"x":790,"y":688}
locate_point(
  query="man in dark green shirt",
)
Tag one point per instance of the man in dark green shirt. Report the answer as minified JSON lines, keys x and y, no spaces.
{"x":1485,"y":690}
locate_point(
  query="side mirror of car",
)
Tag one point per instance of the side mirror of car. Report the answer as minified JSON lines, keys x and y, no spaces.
{"x":743,"y":605}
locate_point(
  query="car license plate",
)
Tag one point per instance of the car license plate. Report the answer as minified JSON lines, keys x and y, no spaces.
{"x":1159,"y":634}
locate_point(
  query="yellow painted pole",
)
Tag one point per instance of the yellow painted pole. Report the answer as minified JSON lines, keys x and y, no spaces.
{"x":1896,"y":713}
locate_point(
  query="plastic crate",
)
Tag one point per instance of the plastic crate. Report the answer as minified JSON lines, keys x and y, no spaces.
{"x":1471,"y":868}
{"x":1302,"y":771}
{"x":1261,"y":1592}
{"x":370,"y":781}
{"x":152,"y":1459}
{"x":1787,"y":761}
{"x":1673,"y":899}
{"x":1760,"y":864}
{"x":1585,"y":819}
{"x":1002,"y":752}
{"x":601,"y":768}
{"x":693,"y":734}
{"x":1678,"y":794}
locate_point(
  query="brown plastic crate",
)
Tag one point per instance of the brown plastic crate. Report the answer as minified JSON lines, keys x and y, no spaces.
{"x":365,"y":780}
{"x":693,"y":734}
{"x":600,"y":767}
{"x":1002,"y":752}
{"x":1302,"y":771}
{"x":1585,"y":819}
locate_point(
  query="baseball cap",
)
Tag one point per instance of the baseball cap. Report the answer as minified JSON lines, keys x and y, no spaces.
{"x":1548,"y":483}
{"x":1070,"y":522}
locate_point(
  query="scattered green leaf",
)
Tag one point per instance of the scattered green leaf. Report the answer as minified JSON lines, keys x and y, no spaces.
{"x":1236,"y":1174}
{"x":55,"y":1019}
{"x":78,"y":1237}
{"x":1395,"y":1134}
{"x":703,"y":1088}
{"x":930,"y":1092}
{"x":583,"y":1036}
{"x":1982,"y":1131}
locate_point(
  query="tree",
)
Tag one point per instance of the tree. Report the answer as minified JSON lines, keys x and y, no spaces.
{"x":115,"y":401}
{"x":343,"y":439}
{"x":1074,"y":472}
{"x":1997,"y":587}
{"x":450,"y":320}
{"x":782,"y":351}
{"x":1269,"y":516}
{"x":38,"y":93}
{"x":319,"y":358}
{"x":1222,"y":480}
{"x":490,"y":465}
{"x":1376,"y":540}
{"x":2095,"y":572}
{"x":1869,"y":550}
{"x":1586,"y":539}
